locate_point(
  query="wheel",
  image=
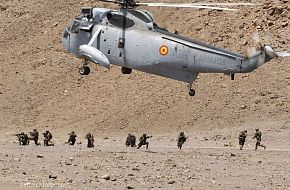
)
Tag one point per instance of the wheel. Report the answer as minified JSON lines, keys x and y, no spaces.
{"x":85,"y":70}
{"x":191,"y":92}
{"x":126,"y":70}
{"x":232,"y":76}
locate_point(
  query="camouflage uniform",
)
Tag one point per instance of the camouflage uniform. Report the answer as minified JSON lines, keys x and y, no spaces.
{"x":131,"y":140}
{"x":90,"y":138}
{"x":72,"y":138}
{"x":47,"y":137}
{"x":143,"y":141}
{"x":242,"y":139}
{"x":180,"y":140}
{"x":34,"y":136}
{"x":23,"y":139}
{"x":258,"y":136}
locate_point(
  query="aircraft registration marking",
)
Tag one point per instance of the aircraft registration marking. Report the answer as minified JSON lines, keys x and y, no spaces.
{"x":211,"y":60}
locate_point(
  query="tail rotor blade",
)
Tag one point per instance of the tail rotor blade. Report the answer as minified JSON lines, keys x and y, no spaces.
{"x":256,"y":38}
{"x":283,"y":54}
{"x":251,"y":52}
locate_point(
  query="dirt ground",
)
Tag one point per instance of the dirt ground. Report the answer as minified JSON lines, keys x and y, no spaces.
{"x":208,"y":159}
{"x":40,"y":87}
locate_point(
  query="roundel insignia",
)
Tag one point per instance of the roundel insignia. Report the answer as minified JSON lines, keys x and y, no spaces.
{"x":163,"y":50}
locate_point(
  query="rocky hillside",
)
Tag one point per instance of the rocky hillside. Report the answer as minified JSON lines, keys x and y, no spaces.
{"x":40,"y":86}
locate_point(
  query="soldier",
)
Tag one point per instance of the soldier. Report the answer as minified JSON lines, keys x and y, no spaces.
{"x":90,"y":138}
{"x":23,"y":138}
{"x":242,"y":139}
{"x":72,"y":138}
{"x":47,"y":137}
{"x":131,"y":140}
{"x":143,"y":141}
{"x":180,"y":140}
{"x":34,"y":136}
{"x":20,"y":137}
{"x":258,"y":136}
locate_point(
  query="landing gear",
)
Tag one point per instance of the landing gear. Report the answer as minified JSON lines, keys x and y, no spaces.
{"x":191,"y":91}
{"x":85,"y":70}
{"x":126,"y":70}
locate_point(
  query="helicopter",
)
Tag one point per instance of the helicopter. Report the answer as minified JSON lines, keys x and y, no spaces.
{"x":130,"y":38}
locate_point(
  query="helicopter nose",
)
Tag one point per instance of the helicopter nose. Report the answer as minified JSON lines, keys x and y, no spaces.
{"x":65,"y":39}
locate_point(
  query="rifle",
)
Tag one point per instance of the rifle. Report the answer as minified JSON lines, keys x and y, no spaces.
{"x":18,"y":136}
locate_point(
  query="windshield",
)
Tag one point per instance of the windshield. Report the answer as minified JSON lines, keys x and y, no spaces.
{"x":81,"y":23}
{"x":75,"y":25}
{"x":120,"y":20}
{"x":140,"y":16}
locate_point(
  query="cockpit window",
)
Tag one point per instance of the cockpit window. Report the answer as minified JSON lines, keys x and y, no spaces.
{"x":139,"y":16}
{"x":81,"y":23}
{"x":120,"y":20}
{"x":75,"y":25}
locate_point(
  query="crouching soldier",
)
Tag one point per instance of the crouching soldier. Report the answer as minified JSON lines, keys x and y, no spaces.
{"x":34,"y":136}
{"x":23,"y":139}
{"x":131,"y":140}
{"x":90,"y":138}
{"x":242,"y":139}
{"x":47,"y":137}
{"x":72,"y":138}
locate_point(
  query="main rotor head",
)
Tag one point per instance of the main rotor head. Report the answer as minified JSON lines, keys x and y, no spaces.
{"x":123,"y":3}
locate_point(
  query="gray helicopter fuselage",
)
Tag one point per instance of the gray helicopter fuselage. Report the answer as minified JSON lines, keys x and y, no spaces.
{"x":129,"y":38}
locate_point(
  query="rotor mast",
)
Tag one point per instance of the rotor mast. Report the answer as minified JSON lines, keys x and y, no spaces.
{"x":127,"y":4}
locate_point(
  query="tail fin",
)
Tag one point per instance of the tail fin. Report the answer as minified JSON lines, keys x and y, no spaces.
{"x":264,"y":55}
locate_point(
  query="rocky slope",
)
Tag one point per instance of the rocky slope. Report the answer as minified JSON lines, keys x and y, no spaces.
{"x":40,"y":84}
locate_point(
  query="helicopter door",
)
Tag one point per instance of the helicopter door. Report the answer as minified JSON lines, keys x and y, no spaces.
{"x":136,"y":50}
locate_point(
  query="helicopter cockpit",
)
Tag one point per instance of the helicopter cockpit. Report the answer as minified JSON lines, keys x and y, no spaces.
{"x":123,"y":18}
{"x":83,"y":22}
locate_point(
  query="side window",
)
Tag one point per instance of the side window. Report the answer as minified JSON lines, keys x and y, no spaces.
{"x":120,"y":21}
{"x":140,"y":16}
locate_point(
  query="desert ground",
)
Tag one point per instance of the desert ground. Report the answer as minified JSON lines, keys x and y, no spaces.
{"x":40,"y":87}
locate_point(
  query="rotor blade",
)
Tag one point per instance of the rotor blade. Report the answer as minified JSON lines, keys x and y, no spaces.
{"x":256,"y":38}
{"x":110,"y":1}
{"x":184,"y":6}
{"x":198,"y":4}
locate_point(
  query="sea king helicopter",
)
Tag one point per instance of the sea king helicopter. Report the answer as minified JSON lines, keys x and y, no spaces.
{"x":130,"y":38}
